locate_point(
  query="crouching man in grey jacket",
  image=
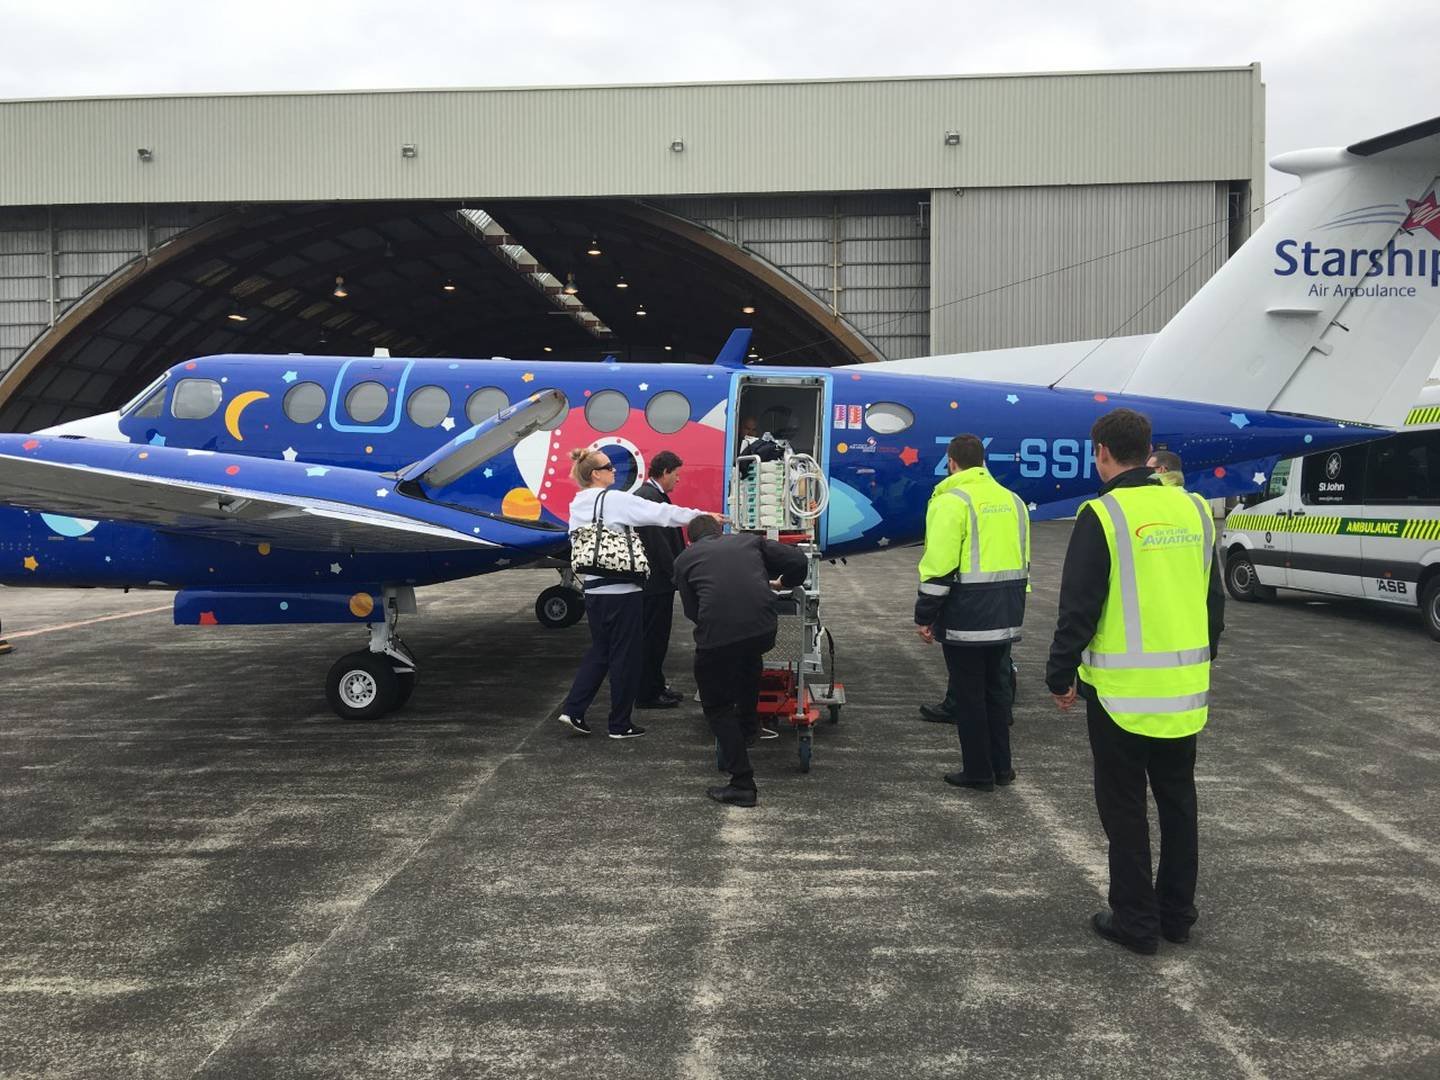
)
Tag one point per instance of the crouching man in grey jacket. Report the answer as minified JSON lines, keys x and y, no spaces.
{"x":724,"y":584}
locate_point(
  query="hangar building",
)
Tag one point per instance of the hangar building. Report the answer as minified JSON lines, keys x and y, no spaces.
{"x":845,"y":220}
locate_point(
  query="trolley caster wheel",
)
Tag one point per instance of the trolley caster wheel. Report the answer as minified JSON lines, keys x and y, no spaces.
{"x":559,"y":606}
{"x":362,"y":686}
{"x":805,"y":747}
{"x":834,"y":714}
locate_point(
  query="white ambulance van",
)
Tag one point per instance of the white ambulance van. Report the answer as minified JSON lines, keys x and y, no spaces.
{"x":1362,"y":522}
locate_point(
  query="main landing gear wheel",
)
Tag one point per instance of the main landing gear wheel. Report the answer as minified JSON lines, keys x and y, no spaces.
{"x":1241,"y":581}
{"x":560,"y":606}
{"x":363,"y":686}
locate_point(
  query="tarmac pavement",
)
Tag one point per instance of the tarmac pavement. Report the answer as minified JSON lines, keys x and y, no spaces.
{"x":203,"y":873}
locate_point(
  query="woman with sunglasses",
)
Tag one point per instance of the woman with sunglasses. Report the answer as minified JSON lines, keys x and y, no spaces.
{"x":614,"y":610}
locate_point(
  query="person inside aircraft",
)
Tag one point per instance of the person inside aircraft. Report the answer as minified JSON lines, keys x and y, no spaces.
{"x":1168,"y":468}
{"x":613,"y":608}
{"x":749,"y":433}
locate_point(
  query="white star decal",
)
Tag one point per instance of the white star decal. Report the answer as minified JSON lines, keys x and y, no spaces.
{"x":501,"y":562}
{"x":644,"y":386}
{"x":448,"y":423}
{"x":289,"y":453}
{"x":489,"y":473}
{"x":335,"y":568}
{"x":1034,"y":507}
{"x":884,"y":541}
{"x":1258,"y":478}
{"x":1012,"y":398}
{"x":380,"y":493}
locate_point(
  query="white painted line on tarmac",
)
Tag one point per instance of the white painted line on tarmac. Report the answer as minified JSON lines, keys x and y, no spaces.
{"x":87,"y":622}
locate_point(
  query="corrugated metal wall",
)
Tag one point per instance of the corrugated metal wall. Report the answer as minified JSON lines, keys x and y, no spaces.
{"x":52,"y":256}
{"x":762,"y":137}
{"x":866,"y":257}
{"x":1033,"y":265}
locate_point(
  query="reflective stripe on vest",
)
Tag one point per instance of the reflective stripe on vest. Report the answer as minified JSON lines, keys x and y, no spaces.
{"x":974,"y":573}
{"x":1162,"y":691}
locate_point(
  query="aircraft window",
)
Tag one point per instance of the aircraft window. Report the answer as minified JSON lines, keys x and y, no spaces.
{"x":668,"y":411}
{"x":888,"y":418}
{"x":367,"y":402}
{"x":485,"y":403}
{"x":152,"y":406}
{"x":428,"y":406}
{"x":607,"y":410}
{"x":561,"y":416}
{"x":304,"y":402}
{"x":195,"y":399}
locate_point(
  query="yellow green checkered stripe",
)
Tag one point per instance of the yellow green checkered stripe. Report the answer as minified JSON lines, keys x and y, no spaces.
{"x":1392,"y":528}
{"x":1276,"y":523}
{"x":1428,"y":415}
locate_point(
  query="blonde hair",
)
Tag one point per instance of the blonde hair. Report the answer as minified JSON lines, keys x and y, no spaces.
{"x":585,"y":462}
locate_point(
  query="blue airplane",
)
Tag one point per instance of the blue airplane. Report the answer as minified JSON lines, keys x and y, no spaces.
{"x":312,"y":489}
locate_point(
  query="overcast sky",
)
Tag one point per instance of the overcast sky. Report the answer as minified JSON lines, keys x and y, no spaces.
{"x":1335,"y":72}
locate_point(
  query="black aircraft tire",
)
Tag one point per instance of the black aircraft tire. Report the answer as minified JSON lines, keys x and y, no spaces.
{"x":362,"y":686}
{"x":559,"y":606}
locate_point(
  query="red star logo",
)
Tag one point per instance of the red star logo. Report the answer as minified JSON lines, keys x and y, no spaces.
{"x":29,"y":444}
{"x":207,"y":618}
{"x":1423,"y":215}
{"x":909,"y":455}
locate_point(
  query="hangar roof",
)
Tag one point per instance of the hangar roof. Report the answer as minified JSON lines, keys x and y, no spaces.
{"x":656,"y":140}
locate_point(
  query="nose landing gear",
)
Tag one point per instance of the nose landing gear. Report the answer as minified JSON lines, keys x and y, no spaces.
{"x":367,"y":684}
{"x":561,"y":605}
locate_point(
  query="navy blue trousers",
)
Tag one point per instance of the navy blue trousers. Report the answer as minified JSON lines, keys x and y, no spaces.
{"x":980,"y":686}
{"x":617,"y":650}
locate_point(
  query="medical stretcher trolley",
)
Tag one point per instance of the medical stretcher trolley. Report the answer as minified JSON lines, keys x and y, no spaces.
{"x":783,"y":499}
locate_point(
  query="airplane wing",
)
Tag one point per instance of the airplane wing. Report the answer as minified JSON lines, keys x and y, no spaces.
{"x":216,"y":511}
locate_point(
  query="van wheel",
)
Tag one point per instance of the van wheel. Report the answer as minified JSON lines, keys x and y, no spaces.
{"x":1430,"y":607}
{"x":1241,"y":581}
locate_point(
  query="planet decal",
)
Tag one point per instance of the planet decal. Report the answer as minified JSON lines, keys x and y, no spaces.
{"x":361,"y":605}
{"x":520,"y":503}
{"x":68,"y":526}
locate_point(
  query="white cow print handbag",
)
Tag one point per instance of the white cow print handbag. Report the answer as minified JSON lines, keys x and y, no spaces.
{"x":600,"y":552}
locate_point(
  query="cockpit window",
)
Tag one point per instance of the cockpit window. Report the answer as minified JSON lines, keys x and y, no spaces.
{"x":152,"y":406}
{"x":195,"y":399}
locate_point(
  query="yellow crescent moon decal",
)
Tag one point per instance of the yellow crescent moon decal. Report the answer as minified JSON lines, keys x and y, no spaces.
{"x":236,"y":407}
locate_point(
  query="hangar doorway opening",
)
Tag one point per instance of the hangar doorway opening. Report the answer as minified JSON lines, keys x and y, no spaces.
{"x":531,"y":279}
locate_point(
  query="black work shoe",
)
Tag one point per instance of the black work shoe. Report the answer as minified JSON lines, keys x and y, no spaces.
{"x":1103,"y":924}
{"x":671,"y":695}
{"x":1176,"y":935}
{"x":1005,"y":779}
{"x":733,"y":796}
{"x":631,"y":732}
{"x":959,"y":779}
{"x":937,"y":714}
{"x":575,"y":723}
{"x":658,"y":703}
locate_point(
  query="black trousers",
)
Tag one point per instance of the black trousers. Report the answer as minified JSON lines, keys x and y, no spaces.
{"x":659,"y":611}
{"x":729,"y":682}
{"x":980,"y":688}
{"x":1123,"y":762}
{"x":616,"y":650}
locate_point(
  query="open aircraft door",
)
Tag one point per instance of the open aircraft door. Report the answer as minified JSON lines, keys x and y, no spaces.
{"x":790,"y":408}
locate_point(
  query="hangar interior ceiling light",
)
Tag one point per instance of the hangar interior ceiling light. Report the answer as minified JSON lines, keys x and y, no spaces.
{"x":621,"y":283}
{"x":594,"y":248}
{"x":340,"y":292}
{"x":570,"y":289}
{"x":449,"y":286}
{"x":641,"y":312}
{"x":235,"y":316}
{"x":748,"y":309}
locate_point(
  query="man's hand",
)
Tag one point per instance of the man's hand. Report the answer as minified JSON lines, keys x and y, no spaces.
{"x":1066,"y":699}
{"x":926,"y":634}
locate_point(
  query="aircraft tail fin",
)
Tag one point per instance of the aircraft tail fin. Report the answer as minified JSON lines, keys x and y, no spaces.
{"x":732,"y":353}
{"x":1332,"y":307}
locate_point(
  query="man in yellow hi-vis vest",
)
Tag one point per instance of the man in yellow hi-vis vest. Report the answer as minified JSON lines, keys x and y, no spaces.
{"x":973,"y":578}
{"x":1141,"y":612}
{"x":1167,"y":467}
